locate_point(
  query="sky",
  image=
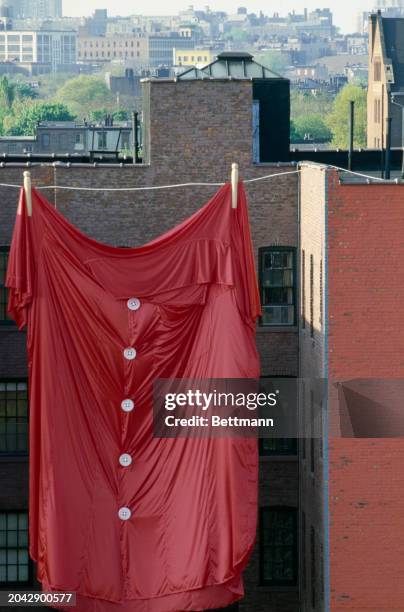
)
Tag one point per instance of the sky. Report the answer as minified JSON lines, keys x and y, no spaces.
{"x":345,"y":11}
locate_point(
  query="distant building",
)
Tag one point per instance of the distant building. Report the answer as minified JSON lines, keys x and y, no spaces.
{"x":386,"y":80}
{"x":132,"y":48}
{"x":357,"y":44}
{"x":61,"y":137}
{"x":43,"y":47}
{"x":127,"y":85}
{"x":96,"y":25}
{"x":161,"y":47}
{"x":17,"y":145}
{"x":193,"y":57}
{"x":316,"y":71}
{"x":37,"y":9}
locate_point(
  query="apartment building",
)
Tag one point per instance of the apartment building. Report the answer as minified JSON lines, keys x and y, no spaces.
{"x":328,"y":249}
{"x":131,"y":48}
{"x":46,"y":47}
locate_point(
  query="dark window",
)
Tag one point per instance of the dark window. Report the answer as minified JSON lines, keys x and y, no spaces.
{"x":13,"y":417}
{"x":278,"y":285}
{"x":102,"y":140}
{"x":303,"y":562}
{"x":377,"y":70}
{"x":321,"y":293}
{"x":312,"y":445}
{"x":278,"y":546}
{"x":311,"y":296}
{"x":278,"y":446}
{"x":321,"y":576}
{"x":303,"y":289}
{"x":4,"y":317}
{"x":14,"y":561}
{"x":45,"y":141}
{"x":313,"y":567}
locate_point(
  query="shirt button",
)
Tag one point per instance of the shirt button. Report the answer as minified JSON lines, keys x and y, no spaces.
{"x":125,"y":460}
{"x":127,"y":405}
{"x":129,"y":353}
{"x":133,"y":304}
{"x":124,"y":513}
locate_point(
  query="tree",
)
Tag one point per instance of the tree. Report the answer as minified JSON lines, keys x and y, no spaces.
{"x":26,"y":114}
{"x":338,"y":120}
{"x":308,"y":103}
{"x":84,"y":94}
{"x":7,"y":93}
{"x":312,"y":125}
{"x":11,"y":91}
{"x":274,"y":60}
{"x":99,"y":114}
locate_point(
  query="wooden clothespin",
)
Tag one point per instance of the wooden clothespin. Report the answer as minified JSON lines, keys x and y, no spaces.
{"x":27,"y":190}
{"x":234,"y":185}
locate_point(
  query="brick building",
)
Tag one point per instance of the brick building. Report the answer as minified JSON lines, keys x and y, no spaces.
{"x":330,"y":509}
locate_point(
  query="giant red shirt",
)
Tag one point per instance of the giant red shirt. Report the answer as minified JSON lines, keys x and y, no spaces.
{"x":130,"y":522}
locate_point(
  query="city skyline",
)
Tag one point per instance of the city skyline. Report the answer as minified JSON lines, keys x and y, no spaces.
{"x":345,"y":17}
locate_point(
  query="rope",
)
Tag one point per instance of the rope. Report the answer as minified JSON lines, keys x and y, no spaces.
{"x":366,"y":176}
{"x":260,"y":178}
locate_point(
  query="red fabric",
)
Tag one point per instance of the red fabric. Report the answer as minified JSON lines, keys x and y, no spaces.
{"x":193,"y":501}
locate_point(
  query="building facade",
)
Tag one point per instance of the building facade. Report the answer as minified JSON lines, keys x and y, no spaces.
{"x":386,"y":81}
{"x":127,"y":48}
{"x":161,"y":47}
{"x":330,"y":530}
{"x":43,"y":47}
{"x":32,"y":9}
{"x":198,"y":56}
{"x":70,"y":137}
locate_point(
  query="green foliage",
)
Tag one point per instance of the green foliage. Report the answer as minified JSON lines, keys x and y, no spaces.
{"x":274,"y":60}
{"x":238,"y":35}
{"x":307,"y":103}
{"x":99,"y":114}
{"x":85,"y":93}
{"x":338,"y":120}
{"x":313,"y":125}
{"x":24,"y":90}
{"x":26,"y":114}
{"x":11,"y":91}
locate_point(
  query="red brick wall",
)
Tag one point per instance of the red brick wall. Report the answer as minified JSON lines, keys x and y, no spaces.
{"x":366,"y":339}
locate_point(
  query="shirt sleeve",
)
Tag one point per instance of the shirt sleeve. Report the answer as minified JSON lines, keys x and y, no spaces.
{"x":247,"y":291}
{"x":21,"y":266}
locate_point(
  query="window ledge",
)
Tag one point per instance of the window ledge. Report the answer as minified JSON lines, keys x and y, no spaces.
{"x":278,"y":589}
{"x":279,"y":458}
{"x":13,"y":458}
{"x":289,"y":329}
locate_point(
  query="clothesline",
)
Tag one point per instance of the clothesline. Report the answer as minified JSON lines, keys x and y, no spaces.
{"x":196,"y":184}
{"x":260,"y":178}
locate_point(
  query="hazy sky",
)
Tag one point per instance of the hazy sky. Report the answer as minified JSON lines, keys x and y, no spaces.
{"x":345,"y":11}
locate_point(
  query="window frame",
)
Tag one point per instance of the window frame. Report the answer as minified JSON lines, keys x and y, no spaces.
{"x":19,"y":583}
{"x":278,"y":583}
{"x":262,"y":251}
{"x":5,"y":322}
{"x":17,"y":453}
{"x":281,"y":453}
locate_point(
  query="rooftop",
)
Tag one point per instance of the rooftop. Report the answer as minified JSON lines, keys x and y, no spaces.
{"x":230,"y":65}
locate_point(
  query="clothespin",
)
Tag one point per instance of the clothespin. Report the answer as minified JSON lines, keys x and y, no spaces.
{"x":27,"y":190}
{"x":234,"y":185}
